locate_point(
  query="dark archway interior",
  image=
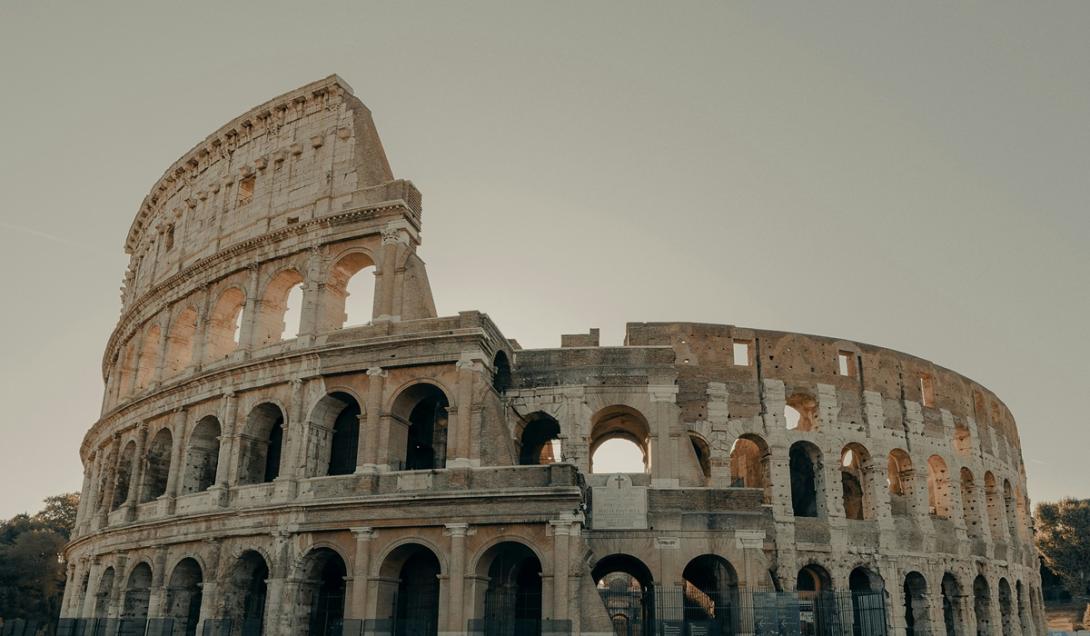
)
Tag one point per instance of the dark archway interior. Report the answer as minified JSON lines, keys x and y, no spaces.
{"x":184,"y":597}
{"x":513,"y":598}
{"x":627,"y":590}
{"x":426,"y":447}
{"x":417,"y":612}
{"x":537,"y":436}
{"x":501,"y":373}
{"x":345,"y":437}
{"x":710,"y":588}
{"x":803,"y":481}
{"x":326,"y":590}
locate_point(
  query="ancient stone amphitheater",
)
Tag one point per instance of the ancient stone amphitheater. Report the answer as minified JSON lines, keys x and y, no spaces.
{"x":266,"y":462}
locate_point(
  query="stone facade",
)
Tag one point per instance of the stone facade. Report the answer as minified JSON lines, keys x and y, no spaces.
{"x":426,"y":468}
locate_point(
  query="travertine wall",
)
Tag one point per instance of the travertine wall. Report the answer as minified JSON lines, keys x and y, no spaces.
{"x":350,"y":454}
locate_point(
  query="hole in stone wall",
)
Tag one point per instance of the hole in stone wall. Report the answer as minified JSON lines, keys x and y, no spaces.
{"x":246,"y":190}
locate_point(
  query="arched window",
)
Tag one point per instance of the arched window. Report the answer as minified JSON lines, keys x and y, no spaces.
{"x":901,"y":480}
{"x":749,"y":468}
{"x":408,"y":591}
{"x":540,"y":440}
{"x":103,"y":593}
{"x":336,"y":420}
{"x":969,"y":503}
{"x":619,"y":441}
{"x":280,"y":309}
{"x":123,"y":476}
{"x":322,"y":593}
{"x":511,"y":602}
{"x":202,"y":456}
{"x":261,"y":441}
{"x":710,"y":596}
{"x":917,"y":613}
{"x":982,"y":604}
{"x":180,"y":341}
{"x":627,"y":590}
{"x":157,"y":465}
{"x":183,"y":600}
{"x":134,"y":608}
{"x":817,"y":603}
{"x":149,"y":357}
{"x":1023,"y":611}
{"x":245,"y":592}
{"x":348,"y":298}
{"x":868,"y":602}
{"x":807,"y":482}
{"x":225,"y":325}
{"x":1006,"y":607}
{"x":938,"y":488}
{"x":703,"y":455}
{"x":501,"y":373}
{"x":800,"y":412}
{"x":855,"y":465}
{"x":422,"y":408}
{"x":951,"y":605}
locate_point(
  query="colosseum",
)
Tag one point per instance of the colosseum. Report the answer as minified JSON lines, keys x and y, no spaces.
{"x":271,"y":460}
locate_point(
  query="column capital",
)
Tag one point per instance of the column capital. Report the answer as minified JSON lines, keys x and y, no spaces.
{"x":457,"y":529}
{"x":363,"y":534}
{"x":228,"y":395}
{"x":376,"y":372}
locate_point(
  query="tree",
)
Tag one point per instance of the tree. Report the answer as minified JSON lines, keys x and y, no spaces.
{"x":1063,"y":537}
{"x":31,"y":571}
{"x":59,"y":514}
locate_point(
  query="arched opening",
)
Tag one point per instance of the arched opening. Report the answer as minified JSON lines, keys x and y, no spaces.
{"x":969,"y":504}
{"x":982,"y":606}
{"x":421,"y":411}
{"x":800,"y":412}
{"x":817,"y":603}
{"x":710,"y":590}
{"x":1022,"y":506}
{"x":901,"y":480}
{"x":123,"y":476}
{"x":202,"y":456}
{"x":157,"y":465}
{"x":749,"y":464}
{"x":703,"y":455}
{"x":134,"y":607}
{"x":1023,"y":610}
{"x":806,"y":480}
{"x":149,"y":357}
{"x":260,"y":445}
{"x":280,"y":309}
{"x":322,"y":593}
{"x":244,"y":595}
{"x":511,"y":603}
{"x":336,"y":423}
{"x":628,"y":593}
{"x":349,"y":296}
{"x":868,"y":602}
{"x":225,"y":324}
{"x":501,"y":373}
{"x":917,"y":616}
{"x":995,"y":508}
{"x":619,"y":441}
{"x":180,"y":341}
{"x":408,"y":593}
{"x":540,"y":440}
{"x":103,"y":593}
{"x":1006,"y":607}
{"x":951,"y":605}
{"x":938,"y":488}
{"x":855,"y":465}
{"x":1010,"y":510}
{"x":183,"y":597}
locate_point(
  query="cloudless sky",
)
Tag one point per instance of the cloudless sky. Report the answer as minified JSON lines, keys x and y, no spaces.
{"x":912,"y":175}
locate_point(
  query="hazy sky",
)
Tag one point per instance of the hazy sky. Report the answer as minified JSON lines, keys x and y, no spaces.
{"x":912,"y":175}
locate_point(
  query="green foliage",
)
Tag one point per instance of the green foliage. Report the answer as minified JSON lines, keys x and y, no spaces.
{"x":1063,"y":537}
{"x":31,"y":572}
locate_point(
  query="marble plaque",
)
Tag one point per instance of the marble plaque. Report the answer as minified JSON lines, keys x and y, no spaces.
{"x":619,"y":505}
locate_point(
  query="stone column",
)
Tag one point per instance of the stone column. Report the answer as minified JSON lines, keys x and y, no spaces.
{"x":136,"y":475}
{"x":247,"y":333}
{"x":385,"y":284}
{"x":86,"y":497}
{"x":210,"y":587}
{"x":356,"y":605}
{"x":177,"y":462}
{"x":200,"y":335}
{"x":293,"y":462}
{"x":226,"y":471}
{"x":111,"y":480}
{"x":158,"y":591}
{"x":157,"y":374}
{"x":458,"y":437}
{"x":456,"y":579}
{"x":752,"y":543}
{"x":367,"y":459}
{"x":88,"y":604}
{"x":69,"y":590}
{"x":561,"y":530}
{"x":312,"y":297}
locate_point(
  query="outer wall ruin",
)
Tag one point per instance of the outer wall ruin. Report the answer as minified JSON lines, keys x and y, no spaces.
{"x":418,"y":471}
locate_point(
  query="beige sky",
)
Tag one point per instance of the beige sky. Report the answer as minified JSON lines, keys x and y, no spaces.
{"x":911,"y":175}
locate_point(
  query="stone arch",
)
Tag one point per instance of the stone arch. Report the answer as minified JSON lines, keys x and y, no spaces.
{"x":855,"y":469}
{"x":800,"y":412}
{"x":335,"y":425}
{"x":408,"y":590}
{"x":982,"y":606}
{"x":223,"y":329}
{"x":807,"y":480}
{"x":750,"y":460}
{"x":814,"y":586}
{"x":271,"y":323}
{"x":709,"y":595}
{"x":149,"y":356}
{"x":134,"y":606}
{"x":702,"y":452}
{"x":995,"y":508}
{"x":261,"y":444}
{"x":868,"y":591}
{"x":939,"y":499}
{"x":157,"y":465}
{"x":245,"y":593}
{"x":917,"y":611}
{"x":348,"y":276}
{"x":902,"y":482}
{"x":184,"y":596}
{"x":539,"y":441}
{"x":1024,"y":620}
{"x":952,"y":620}
{"x":418,"y":440}
{"x":508,"y":598}
{"x":202,"y":455}
{"x":620,"y":422}
{"x":501,"y":373}
{"x":1006,"y":607}
{"x":627,"y":589}
{"x":123,"y":475}
{"x":320,"y":577}
{"x":103,"y":593}
{"x":181,"y":340}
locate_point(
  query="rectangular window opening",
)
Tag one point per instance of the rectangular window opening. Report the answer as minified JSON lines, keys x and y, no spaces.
{"x":846,"y":363}
{"x":246,"y":190}
{"x":927,"y":391}
{"x":741,"y":353}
